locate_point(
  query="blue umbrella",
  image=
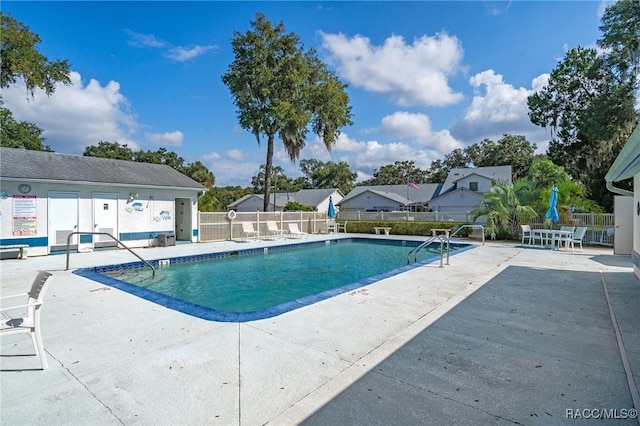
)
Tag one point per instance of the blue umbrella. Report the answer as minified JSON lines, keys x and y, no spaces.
{"x":552,"y":213}
{"x":332,"y":210}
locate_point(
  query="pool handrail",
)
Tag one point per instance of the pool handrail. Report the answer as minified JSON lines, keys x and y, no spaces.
{"x":415,"y":250}
{"x":115,"y":239}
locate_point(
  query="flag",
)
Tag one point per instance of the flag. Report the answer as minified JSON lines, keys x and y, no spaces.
{"x":413,"y":185}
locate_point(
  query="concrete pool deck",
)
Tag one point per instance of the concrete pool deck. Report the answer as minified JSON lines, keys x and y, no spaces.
{"x":503,"y":335}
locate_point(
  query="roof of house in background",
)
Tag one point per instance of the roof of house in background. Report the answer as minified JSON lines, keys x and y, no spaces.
{"x":306,"y":197}
{"x":409,"y":195}
{"x":50,"y":166}
{"x":496,"y":173}
{"x":313,"y":197}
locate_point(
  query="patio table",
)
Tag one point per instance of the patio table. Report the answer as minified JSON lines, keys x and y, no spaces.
{"x":554,"y":236}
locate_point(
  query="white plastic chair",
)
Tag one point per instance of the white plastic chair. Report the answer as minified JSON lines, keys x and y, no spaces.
{"x":331,"y":226}
{"x":31,"y":323}
{"x":249,"y":231}
{"x":272,"y":229}
{"x":526,"y":234}
{"x":577,"y":237}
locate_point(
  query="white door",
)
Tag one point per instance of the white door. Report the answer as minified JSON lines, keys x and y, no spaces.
{"x":105,"y":218}
{"x":63,"y":220}
{"x":183,"y":219}
{"x":623,"y":220}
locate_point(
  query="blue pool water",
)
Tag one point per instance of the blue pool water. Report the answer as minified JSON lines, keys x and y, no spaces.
{"x":253,"y":284}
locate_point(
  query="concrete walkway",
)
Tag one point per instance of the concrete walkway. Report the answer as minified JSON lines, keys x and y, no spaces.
{"x":503,"y":335}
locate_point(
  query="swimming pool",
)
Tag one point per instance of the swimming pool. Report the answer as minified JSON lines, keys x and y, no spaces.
{"x":252,"y":284}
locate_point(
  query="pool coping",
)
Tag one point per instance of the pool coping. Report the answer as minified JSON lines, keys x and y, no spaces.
{"x":210,"y":314}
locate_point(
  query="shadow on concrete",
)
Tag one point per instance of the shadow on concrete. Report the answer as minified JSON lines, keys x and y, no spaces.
{"x":613,"y":260}
{"x":529,"y":347}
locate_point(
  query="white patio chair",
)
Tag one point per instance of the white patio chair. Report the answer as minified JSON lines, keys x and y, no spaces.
{"x":31,"y":323}
{"x":249,"y":231}
{"x":577,"y":237}
{"x":294,"y":231}
{"x":272,"y":229}
{"x":527,"y":233}
{"x":331,"y":226}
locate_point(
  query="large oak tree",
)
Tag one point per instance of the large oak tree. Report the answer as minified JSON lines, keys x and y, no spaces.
{"x":279,"y":89}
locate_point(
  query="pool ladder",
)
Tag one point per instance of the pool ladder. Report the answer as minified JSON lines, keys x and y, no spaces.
{"x":115,"y":239}
{"x":443,"y":239}
{"x":414,"y":251}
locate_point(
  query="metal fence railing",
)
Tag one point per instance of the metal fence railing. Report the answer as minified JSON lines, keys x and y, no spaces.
{"x":460,"y":217}
{"x":600,"y":226}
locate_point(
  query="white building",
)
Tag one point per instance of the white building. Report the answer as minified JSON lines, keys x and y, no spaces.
{"x":46,"y":196}
{"x":627,"y":166}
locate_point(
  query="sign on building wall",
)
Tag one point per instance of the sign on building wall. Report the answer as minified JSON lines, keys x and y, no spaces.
{"x":25,"y":215}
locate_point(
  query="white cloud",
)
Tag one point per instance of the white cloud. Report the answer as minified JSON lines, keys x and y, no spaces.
{"x":411,"y":74}
{"x":182,"y":54}
{"x":417,"y":127}
{"x":175,"y":53}
{"x":166,"y":139}
{"x":236,"y":154}
{"x":143,"y":40}
{"x":498,"y":108}
{"x":77,"y":115}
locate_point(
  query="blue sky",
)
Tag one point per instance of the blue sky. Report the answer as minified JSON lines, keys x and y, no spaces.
{"x":424,"y":77}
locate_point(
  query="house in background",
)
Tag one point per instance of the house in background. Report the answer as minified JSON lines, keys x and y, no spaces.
{"x":317,"y":199}
{"x":627,"y":203}
{"x":463,"y":188}
{"x":45,"y":196}
{"x":388,"y":198}
{"x":459,"y":193}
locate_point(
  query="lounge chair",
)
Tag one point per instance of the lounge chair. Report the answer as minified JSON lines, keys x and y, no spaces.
{"x":249,"y":231}
{"x":272,"y":229}
{"x":31,"y":323}
{"x":294,"y":231}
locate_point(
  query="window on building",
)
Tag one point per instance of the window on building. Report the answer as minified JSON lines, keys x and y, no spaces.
{"x":473,"y":186}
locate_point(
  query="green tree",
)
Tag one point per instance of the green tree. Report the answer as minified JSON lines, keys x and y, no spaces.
{"x":544,"y":173}
{"x":398,"y":173}
{"x":437,"y":172}
{"x":318,"y":174}
{"x":280,"y":180}
{"x":21,"y":134}
{"x":217,"y":199}
{"x":511,"y":150}
{"x":200,"y":173}
{"x":589,"y":102}
{"x":296,"y":207}
{"x":571,"y":195}
{"x":505,"y":207}
{"x":281,"y":90}
{"x":20,"y":59}
{"x":111,"y":150}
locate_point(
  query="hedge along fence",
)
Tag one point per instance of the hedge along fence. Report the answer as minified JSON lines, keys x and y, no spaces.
{"x":406,"y":228}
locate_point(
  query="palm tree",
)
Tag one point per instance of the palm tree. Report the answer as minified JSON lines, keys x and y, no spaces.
{"x":508,"y":205}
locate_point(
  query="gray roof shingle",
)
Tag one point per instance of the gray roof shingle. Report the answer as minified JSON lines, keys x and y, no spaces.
{"x":51,"y":166}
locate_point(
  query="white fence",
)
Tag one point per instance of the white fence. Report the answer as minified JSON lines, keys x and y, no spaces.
{"x":216,"y":226}
{"x":600,"y":226}
{"x":406,"y":216}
